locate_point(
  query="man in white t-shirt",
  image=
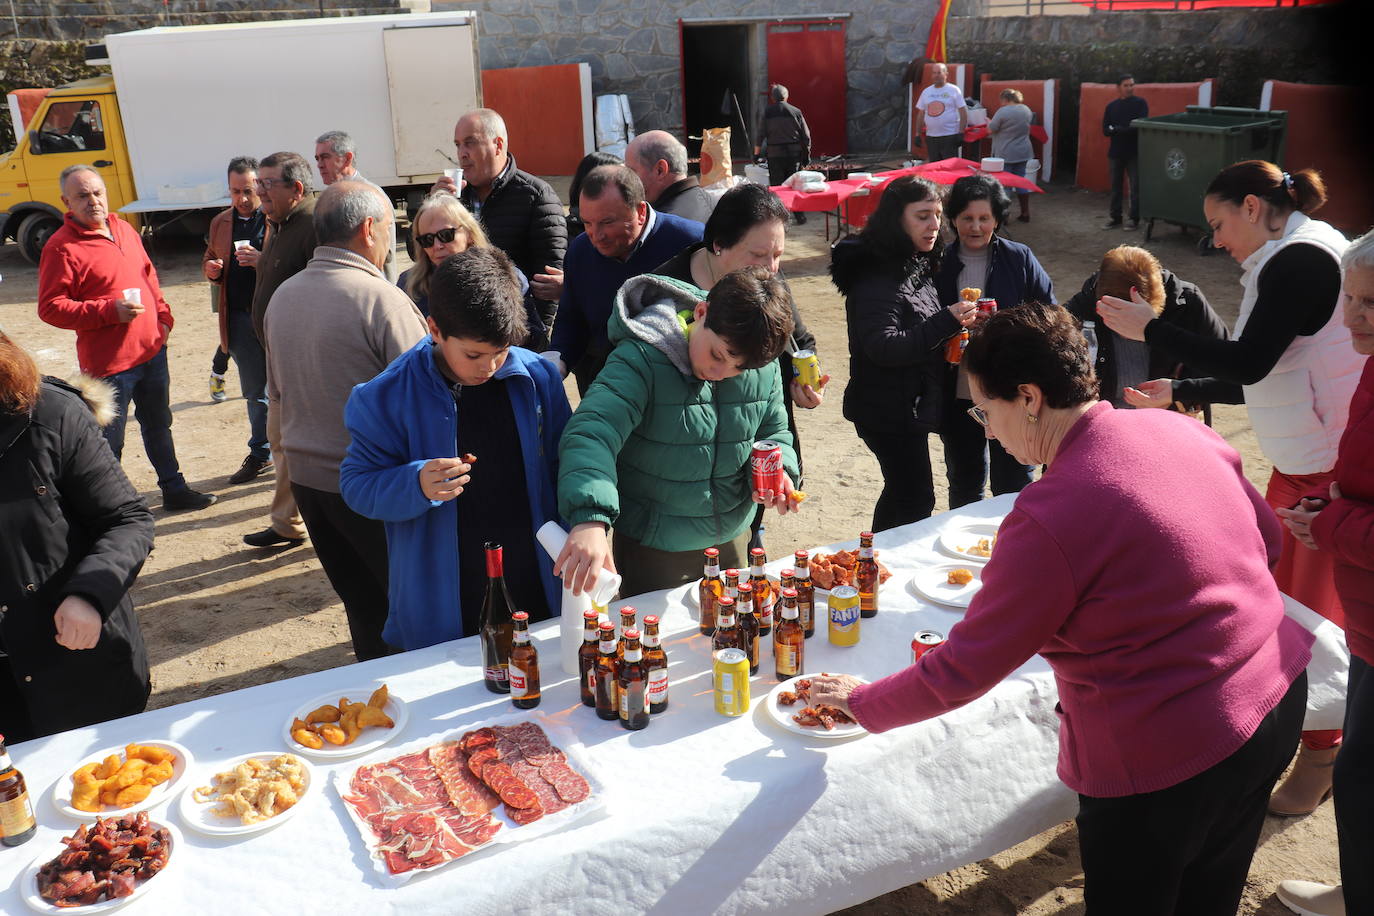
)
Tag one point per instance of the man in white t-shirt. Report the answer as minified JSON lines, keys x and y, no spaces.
{"x":942,"y":114}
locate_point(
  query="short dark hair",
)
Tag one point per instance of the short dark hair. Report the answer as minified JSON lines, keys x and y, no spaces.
{"x":979,"y":187}
{"x":884,"y":234}
{"x":294,"y":167}
{"x":1036,"y":344}
{"x":589,"y":162}
{"x":475,"y":294}
{"x":242,"y":165}
{"x":620,"y":177}
{"x":750,"y":309}
{"x":1123,"y":77}
{"x":740,"y":209}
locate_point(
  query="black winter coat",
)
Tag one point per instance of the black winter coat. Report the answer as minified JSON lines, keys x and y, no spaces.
{"x":897,"y":326}
{"x":70,"y":524}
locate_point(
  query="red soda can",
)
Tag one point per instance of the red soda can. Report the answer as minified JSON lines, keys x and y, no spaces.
{"x":923,"y":642}
{"x":987,"y":306}
{"x":766,"y":464}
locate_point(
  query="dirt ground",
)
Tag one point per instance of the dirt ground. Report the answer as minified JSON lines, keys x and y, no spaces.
{"x":220,"y":616}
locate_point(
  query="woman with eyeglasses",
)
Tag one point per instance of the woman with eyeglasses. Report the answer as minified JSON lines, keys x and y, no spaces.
{"x":1137,"y":567}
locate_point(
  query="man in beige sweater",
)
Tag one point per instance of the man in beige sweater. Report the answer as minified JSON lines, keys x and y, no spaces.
{"x":334,"y":325}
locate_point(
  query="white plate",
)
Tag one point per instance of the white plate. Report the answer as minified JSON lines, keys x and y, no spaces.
{"x":199,"y":817}
{"x":955,"y":539}
{"x":932,"y":584}
{"x":62,"y":789}
{"x":783,"y":714}
{"x":38,"y":904}
{"x":371,"y":738}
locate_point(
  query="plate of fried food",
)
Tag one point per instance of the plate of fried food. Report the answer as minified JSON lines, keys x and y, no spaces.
{"x":971,"y":540}
{"x":102,"y":866}
{"x":120,"y":780}
{"x":831,"y":569}
{"x":249,"y":794}
{"x":346,"y":723}
{"x":948,"y":583}
{"x":789,"y":704}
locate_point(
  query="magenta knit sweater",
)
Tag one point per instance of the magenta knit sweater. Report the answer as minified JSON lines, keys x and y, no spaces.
{"x":1138,"y":567}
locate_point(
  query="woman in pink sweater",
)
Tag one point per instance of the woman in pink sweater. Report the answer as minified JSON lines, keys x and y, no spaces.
{"x":1181,"y":682}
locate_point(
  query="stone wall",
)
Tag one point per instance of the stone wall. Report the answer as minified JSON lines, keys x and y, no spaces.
{"x":91,"y":20}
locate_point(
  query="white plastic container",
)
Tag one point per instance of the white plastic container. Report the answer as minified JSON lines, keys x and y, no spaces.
{"x":552,"y":537}
{"x":993,"y":164}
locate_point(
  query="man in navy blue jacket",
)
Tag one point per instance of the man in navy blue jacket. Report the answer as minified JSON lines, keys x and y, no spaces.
{"x":625,"y":237}
{"x":1123,"y":152}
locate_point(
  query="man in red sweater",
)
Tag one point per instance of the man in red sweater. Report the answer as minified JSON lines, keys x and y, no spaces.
{"x":94,"y":278}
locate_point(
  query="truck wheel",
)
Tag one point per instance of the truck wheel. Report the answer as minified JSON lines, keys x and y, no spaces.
{"x":34,"y":233}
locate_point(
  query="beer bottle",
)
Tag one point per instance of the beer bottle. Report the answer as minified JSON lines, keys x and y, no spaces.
{"x":656,"y":660}
{"x":524,"y":664}
{"x":806,"y":593}
{"x":732,"y":583}
{"x":709,"y":590}
{"x":632,"y":684}
{"x":727,"y":634}
{"x":789,"y":639}
{"x":764,"y":596}
{"x":586,"y":658}
{"x":866,"y":576}
{"x":17,"y":824}
{"x":748,"y":622}
{"x":607,"y":702}
{"x":627,"y":623}
{"x":497,"y":628}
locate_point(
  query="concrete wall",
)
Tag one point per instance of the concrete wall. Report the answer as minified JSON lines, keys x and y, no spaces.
{"x":91,"y":20}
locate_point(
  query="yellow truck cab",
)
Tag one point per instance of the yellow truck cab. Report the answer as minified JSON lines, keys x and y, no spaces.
{"x":76,"y":123}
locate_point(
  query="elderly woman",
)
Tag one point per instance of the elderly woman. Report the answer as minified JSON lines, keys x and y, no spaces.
{"x":1290,"y":364}
{"x":1181,"y":681}
{"x":897,"y":328}
{"x":1340,"y":521}
{"x":1008,"y":272}
{"x":1010,"y":131}
{"x":1125,"y":363}
{"x":73,"y":536}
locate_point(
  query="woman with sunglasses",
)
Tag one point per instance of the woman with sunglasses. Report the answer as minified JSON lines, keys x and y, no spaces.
{"x":1181,"y":682}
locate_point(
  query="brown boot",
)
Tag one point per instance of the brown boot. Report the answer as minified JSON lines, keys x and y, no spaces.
{"x":1307,"y":786}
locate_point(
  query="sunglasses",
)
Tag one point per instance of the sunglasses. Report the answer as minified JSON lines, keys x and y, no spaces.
{"x":443,"y":235}
{"x":979,"y":415}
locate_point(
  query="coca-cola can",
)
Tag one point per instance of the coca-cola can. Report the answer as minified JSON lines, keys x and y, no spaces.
{"x":765,"y":462}
{"x":987,"y":306}
{"x":923,"y":642}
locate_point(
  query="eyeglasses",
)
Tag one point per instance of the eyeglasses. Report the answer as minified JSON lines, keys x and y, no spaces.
{"x":443,"y":235}
{"x":979,"y":414}
{"x":268,"y":184}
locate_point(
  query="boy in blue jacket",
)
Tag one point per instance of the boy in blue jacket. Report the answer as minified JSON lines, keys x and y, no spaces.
{"x":467,"y":390}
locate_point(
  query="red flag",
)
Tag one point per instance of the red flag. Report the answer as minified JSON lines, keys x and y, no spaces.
{"x":936,"y":51}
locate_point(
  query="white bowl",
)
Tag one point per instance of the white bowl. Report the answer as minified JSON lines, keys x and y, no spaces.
{"x":993,"y":164}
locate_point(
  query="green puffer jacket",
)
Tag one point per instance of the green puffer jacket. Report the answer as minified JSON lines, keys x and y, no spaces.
{"x":655,"y":451}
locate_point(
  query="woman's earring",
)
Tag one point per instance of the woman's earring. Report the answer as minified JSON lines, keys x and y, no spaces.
{"x":1032,"y":418}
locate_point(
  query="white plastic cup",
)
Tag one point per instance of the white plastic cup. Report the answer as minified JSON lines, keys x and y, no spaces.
{"x":134,"y":294}
{"x":242,"y":244}
{"x":457,"y":176}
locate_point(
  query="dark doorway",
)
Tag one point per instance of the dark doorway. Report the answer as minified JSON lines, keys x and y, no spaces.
{"x":715,"y":63}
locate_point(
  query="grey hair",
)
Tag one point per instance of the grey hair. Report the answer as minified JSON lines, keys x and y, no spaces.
{"x":663,"y":145}
{"x":1359,"y":254}
{"x":339,"y":141}
{"x":73,"y":169}
{"x":493,"y":125}
{"x":343,"y":207}
{"x":779,"y":93}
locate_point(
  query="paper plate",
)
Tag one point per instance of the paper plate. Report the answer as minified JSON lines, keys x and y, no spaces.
{"x":783,"y":714}
{"x":32,"y":899}
{"x":956,"y":539}
{"x":62,"y":789}
{"x":932,"y":584}
{"x":199,"y":816}
{"x":371,"y":738}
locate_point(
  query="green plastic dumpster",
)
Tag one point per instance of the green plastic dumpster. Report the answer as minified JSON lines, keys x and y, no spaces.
{"x":1181,"y":153}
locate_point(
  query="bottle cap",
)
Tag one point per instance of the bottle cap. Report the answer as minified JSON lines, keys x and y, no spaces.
{"x":606,"y":626}
{"x":789,"y":593}
{"x":631,"y":633}
{"x":651,"y":620}
{"x":712,"y":552}
{"x":520,"y":616}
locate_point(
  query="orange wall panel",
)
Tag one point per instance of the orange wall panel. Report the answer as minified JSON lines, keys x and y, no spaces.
{"x":545,"y":113}
{"x":1164,"y":98}
{"x":1314,"y":140}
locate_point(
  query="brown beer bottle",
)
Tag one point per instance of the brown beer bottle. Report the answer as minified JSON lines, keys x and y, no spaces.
{"x":866,"y":576}
{"x":764,"y":596}
{"x":732,"y":583}
{"x":627,"y":623}
{"x":586,"y":658}
{"x":806,"y":593}
{"x":656,"y":660}
{"x":524,"y":664}
{"x":748,"y":622}
{"x":632,"y":684}
{"x":709,"y":590}
{"x":728,"y":635}
{"x":17,"y":824}
{"x":607,"y":702}
{"x":497,"y":628}
{"x":789,"y":639}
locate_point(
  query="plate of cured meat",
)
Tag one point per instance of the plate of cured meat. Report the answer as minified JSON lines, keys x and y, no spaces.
{"x":789,"y":705}
{"x":510,"y":780}
{"x":102,"y":866}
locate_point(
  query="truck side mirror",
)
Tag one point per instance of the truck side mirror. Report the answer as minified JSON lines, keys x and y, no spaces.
{"x":35,"y":144}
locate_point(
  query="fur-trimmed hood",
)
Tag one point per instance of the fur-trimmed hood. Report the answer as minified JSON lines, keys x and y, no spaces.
{"x":97,"y":394}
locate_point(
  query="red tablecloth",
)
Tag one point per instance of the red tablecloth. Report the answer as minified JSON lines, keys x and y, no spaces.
{"x":947,"y":171}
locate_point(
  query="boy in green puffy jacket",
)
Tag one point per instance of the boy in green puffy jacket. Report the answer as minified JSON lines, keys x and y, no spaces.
{"x":659,"y":447}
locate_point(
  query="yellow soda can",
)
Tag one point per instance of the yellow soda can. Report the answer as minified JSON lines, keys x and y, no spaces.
{"x":806,"y":369}
{"x":730,"y":672}
{"x":844,"y":615}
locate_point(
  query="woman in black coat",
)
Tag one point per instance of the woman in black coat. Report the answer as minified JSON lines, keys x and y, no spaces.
{"x":897,"y":328}
{"x":73,"y":536}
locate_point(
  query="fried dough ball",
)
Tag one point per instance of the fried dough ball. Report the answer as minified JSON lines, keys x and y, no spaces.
{"x":959,"y":576}
{"x":324,"y":713}
{"x":333,"y":733}
{"x":132,"y":795}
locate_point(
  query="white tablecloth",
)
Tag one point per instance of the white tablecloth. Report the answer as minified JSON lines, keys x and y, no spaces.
{"x":704,"y":814}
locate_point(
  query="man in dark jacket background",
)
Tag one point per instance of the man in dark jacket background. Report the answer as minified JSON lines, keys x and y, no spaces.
{"x":1123,"y":152}
{"x":660,"y":161}
{"x":786,"y":139}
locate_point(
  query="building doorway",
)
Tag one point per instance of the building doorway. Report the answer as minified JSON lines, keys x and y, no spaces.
{"x":717,"y":63}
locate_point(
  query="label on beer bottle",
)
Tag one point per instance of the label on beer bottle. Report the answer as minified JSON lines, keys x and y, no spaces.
{"x":866,"y":552}
{"x":658,"y":685}
{"x":496,"y":673}
{"x":519,"y":682}
{"x":16,"y":816}
{"x":786,"y":656}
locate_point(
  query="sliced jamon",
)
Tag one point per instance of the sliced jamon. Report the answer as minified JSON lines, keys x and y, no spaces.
{"x":569,"y":784}
{"x":466,"y":792}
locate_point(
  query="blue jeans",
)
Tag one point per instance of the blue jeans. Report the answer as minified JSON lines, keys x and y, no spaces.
{"x":251,"y":359}
{"x":148,"y":387}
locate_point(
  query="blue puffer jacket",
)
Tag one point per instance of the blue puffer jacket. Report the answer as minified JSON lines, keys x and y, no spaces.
{"x":403,"y":418}
{"x":1014,"y":275}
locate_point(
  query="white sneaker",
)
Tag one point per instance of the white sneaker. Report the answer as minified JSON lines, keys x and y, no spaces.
{"x":1308,"y":898}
